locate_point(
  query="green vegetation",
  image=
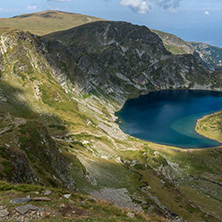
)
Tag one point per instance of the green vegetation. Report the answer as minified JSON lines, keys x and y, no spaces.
{"x":85,"y":96}
{"x":175,"y":44}
{"x":77,"y":208}
{"x":42,"y":23}
{"x":211,"y":126}
{"x":175,"y":49}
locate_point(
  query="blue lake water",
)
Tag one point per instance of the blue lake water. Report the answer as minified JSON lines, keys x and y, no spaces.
{"x":169,"y":117}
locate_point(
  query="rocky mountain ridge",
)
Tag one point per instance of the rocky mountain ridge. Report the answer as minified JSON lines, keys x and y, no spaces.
{"x":208,"y":55}
{"x":145,"y":66}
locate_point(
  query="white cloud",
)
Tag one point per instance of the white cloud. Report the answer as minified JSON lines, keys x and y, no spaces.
{"x":140,"y":6}
{"x":206,"y":13}
{"x":144,"y":6}
{"x":31,"y":7}
{"x":171,"y":5}
{"x":1,"y":9}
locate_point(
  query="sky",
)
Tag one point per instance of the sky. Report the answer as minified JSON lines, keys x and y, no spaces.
{"x":192,"y":20}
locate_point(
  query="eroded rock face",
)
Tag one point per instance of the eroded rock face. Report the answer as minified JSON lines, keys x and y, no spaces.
{"x":113,"y":60}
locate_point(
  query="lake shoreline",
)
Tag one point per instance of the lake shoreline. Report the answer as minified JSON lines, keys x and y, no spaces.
{"x":161,"y":102}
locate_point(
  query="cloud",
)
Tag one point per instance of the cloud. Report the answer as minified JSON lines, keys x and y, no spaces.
{"x":170,"y":5}
{"x":140,"y":6}
{"x":206,"y":13}
{"x":144,"y":6}
{"x":31,"y":7}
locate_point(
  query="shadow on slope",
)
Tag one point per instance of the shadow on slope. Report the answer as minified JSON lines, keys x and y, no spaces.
{"x":27,"y":151}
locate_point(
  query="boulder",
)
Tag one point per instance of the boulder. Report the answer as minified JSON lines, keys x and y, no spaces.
{"x":130,"y":215}
{"x":25,"y":208}
{"x":4,"y":213}
{"x":21,"y":200}
{"x":67,"y":196}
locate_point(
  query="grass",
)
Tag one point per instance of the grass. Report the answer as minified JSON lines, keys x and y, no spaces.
{"x":45,"y":22}
{"x":168,"y":194}
{"x":208,"y":204}
{"x":174,"y":44}
{"x":86,"y":208}
{"x":211,"y":126}
{"x":85,"y":96}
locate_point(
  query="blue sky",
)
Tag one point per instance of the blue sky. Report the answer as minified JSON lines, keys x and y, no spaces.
{"x":192,"y":20}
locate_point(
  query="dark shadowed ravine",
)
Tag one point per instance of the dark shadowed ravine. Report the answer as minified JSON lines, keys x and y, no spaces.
{"x":169,"y":117}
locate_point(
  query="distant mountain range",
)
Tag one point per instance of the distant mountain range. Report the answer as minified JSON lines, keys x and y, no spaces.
{"x":210,"y":56}
{"x":46,"y":22}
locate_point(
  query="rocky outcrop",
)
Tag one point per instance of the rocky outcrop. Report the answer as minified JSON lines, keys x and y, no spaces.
{"x":45,"y":153}
{"x":20,"y":168}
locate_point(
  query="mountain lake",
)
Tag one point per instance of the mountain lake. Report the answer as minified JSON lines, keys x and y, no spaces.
{"x":169,"y":117}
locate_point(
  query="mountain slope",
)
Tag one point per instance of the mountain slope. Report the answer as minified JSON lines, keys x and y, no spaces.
{"x":209,"y":56}
{"x":174,"y":44}
{"x":42,"y":23}
{"x":57,"y":107}
{"x":136,"y":57}
{"x":211,"y":126}
{"x":45,"y":22}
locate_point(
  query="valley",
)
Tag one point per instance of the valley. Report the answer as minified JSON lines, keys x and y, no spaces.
{"x":58,"y":96}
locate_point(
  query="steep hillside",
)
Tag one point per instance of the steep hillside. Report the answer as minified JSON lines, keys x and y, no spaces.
{"x":136,"y":57}
{"x":175,"y":44}
{"x":42,"y":23}
{"x":209,"y":56}
{"x":58,"y":97}
{"x":211,"y":126}
{"x":53,"y":137}
{"x":45,"y":22}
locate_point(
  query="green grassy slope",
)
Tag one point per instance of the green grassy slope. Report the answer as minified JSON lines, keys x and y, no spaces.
{"x":211,"y":126}
{"x":45,"y":22}
{"x":175,"y":44}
